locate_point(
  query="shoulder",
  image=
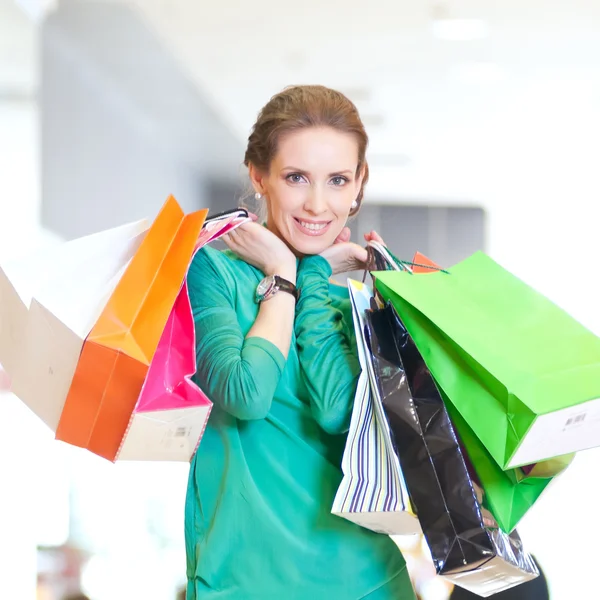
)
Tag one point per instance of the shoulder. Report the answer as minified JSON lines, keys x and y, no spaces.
{"x":218,"y":277}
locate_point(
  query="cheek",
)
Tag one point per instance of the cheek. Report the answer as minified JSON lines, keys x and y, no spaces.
{"x":335,"y":231}
{"x":286,"y":200}
{"x":341,"y":201}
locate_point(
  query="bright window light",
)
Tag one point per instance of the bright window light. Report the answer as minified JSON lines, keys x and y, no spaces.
{"x":459,"y":30}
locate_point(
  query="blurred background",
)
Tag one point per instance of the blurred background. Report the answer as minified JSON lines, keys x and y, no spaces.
{"x":484,"y":119}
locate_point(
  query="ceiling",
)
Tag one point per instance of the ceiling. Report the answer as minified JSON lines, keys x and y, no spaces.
{"x":449,"y":108}
{"x":438,"y":112}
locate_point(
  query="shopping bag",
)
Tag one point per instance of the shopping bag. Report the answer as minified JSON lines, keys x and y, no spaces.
{"x":422,"y":264}
{"x":13,"y":317}
{"x":466,"y":549}
{"x":117,"y":353}
{"x":522,"y":373}
{"x":372,"y":492}
{"x":547,"y":468}
{"x":4,"y":380}
{"x":171,"y":413}
{"x":510,"y":494}
{"x":48,"y":305}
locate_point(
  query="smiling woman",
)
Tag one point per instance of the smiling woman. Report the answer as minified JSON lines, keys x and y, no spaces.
{"x":327,"y":149}
{"x":277,"y":355}
{"x":311,"y":186}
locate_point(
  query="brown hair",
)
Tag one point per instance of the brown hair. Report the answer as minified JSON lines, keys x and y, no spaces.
{"x":303,"y":106}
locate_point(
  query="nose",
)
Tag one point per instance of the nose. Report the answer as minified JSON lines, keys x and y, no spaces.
{"x":316,"y":201}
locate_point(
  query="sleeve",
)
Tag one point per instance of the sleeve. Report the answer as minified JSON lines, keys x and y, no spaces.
{"x":328,"y":359}
{"x":239,"y":375}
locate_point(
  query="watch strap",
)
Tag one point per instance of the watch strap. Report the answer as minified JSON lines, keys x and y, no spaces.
{"x":286,"y":286}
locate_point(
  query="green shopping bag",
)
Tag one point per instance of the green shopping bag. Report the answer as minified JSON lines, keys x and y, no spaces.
{"x":521,"y":372}
{"x":508,"y":494}
{"x":546,"y":468}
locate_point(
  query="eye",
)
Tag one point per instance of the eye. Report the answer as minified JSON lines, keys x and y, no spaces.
{"x":339,"y":180}
{"x":295,"y":178}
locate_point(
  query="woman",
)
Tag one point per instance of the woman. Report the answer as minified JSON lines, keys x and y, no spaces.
{"x":276,"y":355}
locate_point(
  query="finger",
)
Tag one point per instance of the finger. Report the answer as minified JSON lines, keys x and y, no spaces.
{"x":343,"y":237}
{"x":229,"y":241}
{"x":237,"y":237}
{"x":378,"y":238}
{"x":361,"y":255}
{"x":375,"y":237}
{"x":253,"y":216}
{"x":244,"y":228}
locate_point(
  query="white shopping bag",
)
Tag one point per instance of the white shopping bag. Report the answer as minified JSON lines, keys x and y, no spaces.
{"x":373,"y":493}
{"x":48,"y":305}
{"x":4,"y":381}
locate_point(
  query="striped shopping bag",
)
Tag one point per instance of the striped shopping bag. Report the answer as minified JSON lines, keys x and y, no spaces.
{"x":372,"y":493}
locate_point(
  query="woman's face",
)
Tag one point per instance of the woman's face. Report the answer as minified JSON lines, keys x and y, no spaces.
{"x":310,"y":187}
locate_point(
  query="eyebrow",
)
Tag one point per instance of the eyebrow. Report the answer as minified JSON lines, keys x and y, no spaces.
{"x":303,"y":172}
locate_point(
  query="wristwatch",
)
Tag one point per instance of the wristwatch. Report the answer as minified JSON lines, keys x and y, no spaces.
{"x":272,"y":284}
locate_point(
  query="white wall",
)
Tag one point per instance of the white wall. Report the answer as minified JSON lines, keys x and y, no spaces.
{"x":102,"y":164}
{"x":543,"y":194}
{"x":122,"y":124}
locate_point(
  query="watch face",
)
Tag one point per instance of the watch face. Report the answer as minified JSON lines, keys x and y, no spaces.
{"x":264,"y":287}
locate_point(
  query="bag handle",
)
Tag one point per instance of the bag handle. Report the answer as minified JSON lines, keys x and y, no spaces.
{"x":234,"y":212}
{"x":381,"y":256}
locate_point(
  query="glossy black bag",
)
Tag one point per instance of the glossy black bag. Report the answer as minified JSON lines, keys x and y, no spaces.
{"x":466,"y":544}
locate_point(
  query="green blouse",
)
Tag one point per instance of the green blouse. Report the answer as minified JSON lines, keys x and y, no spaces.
{"x":257,"y":519}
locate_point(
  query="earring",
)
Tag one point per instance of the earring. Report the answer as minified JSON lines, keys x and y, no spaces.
{"x":354,"y":205}
{"x":257,"y":196}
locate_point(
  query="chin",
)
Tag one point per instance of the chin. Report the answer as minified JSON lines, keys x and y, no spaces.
{"x":311,"y":246}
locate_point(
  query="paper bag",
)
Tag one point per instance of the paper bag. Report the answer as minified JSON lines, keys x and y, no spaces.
{"x":169,"y":418}
{"x":523,"y":374}
{"x":509,"y":494}
{"x":372,"y":492}
{"x":171,"y":413}
{"x":46,"y":316}
{"x":465,"y":549}
{"x":118,"y":351}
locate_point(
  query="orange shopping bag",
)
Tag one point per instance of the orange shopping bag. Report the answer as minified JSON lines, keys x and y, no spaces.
{"x":118,"y":351}
{"x":421,"y":262}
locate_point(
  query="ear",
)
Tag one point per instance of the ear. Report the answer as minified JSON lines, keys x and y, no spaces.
{"x":257,"y":178}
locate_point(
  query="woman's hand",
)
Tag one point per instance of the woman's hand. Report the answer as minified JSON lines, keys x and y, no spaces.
{"x":373,"y":236}
{"x":345,"y":256}
{"x":370,"y":236}
{"x":259,"y":247}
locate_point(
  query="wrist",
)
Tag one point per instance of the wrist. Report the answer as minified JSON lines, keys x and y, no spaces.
{"x":285,"y":270}
{"x":271,"y":285}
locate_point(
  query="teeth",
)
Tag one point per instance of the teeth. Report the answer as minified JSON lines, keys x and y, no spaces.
{"x":313,"y":226}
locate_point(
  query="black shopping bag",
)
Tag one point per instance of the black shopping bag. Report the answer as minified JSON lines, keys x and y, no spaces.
{"x":466,"y":544}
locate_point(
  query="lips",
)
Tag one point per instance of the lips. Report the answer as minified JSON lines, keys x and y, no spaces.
{"x":312,"y":228}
